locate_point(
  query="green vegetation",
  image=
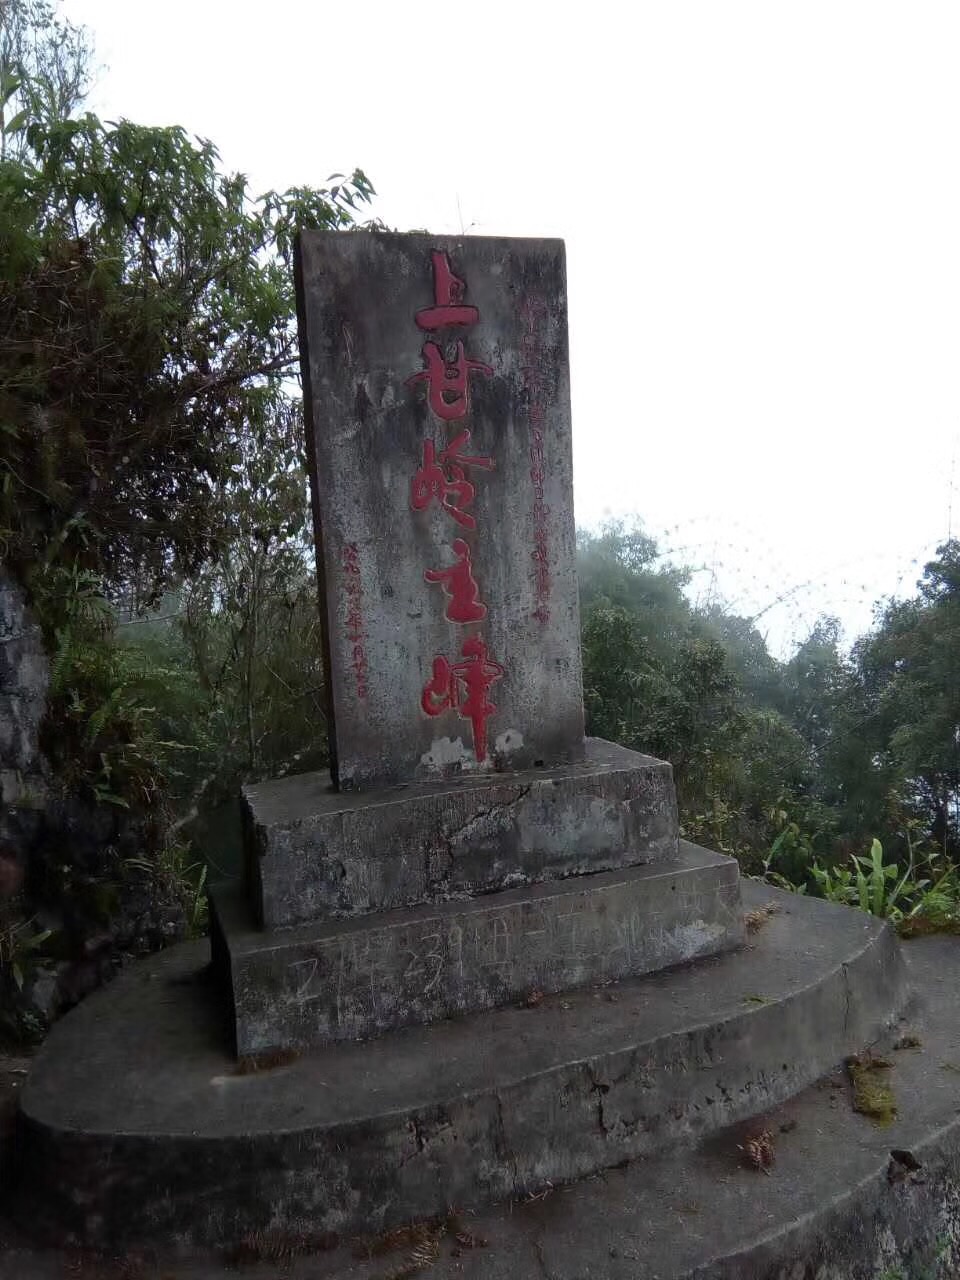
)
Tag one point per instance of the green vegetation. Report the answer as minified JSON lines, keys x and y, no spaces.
{"x":153,"y":505}
{"x":797,"y":767}
{"x":149,"y":453}
{"x":883,"y":890}
{"x":872,"y":1094}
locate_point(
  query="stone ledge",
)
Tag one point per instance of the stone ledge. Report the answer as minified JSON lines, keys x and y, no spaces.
{"x":314,"y":853}
{"x":138,"y":1130}
{"x":349,"y":980}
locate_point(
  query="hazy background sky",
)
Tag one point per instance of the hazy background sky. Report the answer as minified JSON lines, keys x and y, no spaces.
{"x":761,"y":205}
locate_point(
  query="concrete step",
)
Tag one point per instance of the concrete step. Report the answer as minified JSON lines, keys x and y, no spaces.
{"x":846,"y":1198}
{"x":349,"y":979}
{"x":834,"y":1205}
{"x":314,"y":853}
{"x":138,"y":1128}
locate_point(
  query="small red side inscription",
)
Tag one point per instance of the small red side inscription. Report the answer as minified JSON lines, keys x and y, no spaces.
{"x":354,"y":626}
{"x":460,"y":585}
{"x":449,"y":380}
{"x":448,"y":291}
{"x":532,"y":313}
{"x":443,"y":478}
{"x":463,"y":687}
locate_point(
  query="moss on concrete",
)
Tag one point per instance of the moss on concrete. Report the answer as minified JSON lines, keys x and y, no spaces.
{"x":872,"y":1094}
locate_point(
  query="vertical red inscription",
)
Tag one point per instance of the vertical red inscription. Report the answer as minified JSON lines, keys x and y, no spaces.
{"x":354,"y":628}
{"x":463,"y":687}
{"x":532,"y":313}
{"x":443,"y":478}
{"x":460,"y":585}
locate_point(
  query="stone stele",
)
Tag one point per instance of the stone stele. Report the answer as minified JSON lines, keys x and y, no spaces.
{"x":438,"y":429}
{"x":463,"y":800}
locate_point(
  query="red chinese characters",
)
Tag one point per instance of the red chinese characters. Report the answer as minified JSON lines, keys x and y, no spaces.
{"x":463,"y":687}
{"x":447,"y":372}
{"x":532,"y":314}
{"x":443,"y":478}
{"x":460,"y":585}
{"x":449,"y":386}
{"x":448,"y":291}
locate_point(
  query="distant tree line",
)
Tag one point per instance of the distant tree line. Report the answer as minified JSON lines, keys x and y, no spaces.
{"x":830,"y":747}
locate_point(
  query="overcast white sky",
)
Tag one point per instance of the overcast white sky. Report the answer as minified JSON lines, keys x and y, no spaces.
{"x":761,"y":205}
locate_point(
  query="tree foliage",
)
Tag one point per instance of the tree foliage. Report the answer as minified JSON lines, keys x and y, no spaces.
{"x":149,"y":326}
{"x":45,"y":69}
{"x":147,"y":308}
{"x":833,"y":747}
{"x":674,"y":683}
{"x":147,"y":451}
{"x":911,"y":681}
{"x":250,"y":624}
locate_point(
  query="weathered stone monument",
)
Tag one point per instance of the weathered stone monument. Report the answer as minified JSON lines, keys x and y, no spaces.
{"x":469,"y":845}
{"x":455,"y":972}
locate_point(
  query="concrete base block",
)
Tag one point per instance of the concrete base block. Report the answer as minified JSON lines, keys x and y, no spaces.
{"x":314,"y":853}
{"x":346,"y":980}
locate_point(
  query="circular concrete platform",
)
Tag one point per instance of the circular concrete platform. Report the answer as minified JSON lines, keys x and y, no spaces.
{"x":137,"y":1126}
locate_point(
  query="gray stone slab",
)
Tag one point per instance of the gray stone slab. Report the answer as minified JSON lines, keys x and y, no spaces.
{"x":316,"y":852}
{"x":436,"y":382}
{"x":24,"y":680}
{"x":347,"y":980}
{"x":139,"y":1130}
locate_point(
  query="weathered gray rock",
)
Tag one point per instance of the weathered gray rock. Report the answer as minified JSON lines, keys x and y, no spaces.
{"x":24,"y":790}
{"x":24,"y":680}
{"x":316,"y":852}
{"x":44,"y":823}
{"x":436,"y":381}
{"x":347,"y":980}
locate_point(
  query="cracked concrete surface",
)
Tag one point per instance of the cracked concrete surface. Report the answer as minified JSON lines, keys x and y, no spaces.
{"x":835,"y":1205}
{"x":133,"y":1134}
{"x":316,"y":853}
